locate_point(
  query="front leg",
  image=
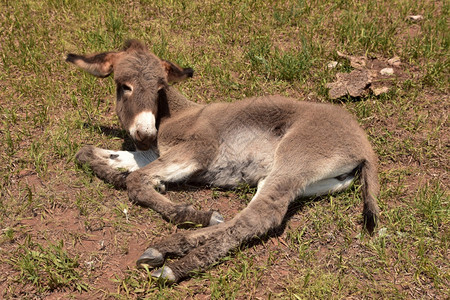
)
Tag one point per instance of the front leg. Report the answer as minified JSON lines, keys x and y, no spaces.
{"x":114,"y":166}
{"x":144,"y":185}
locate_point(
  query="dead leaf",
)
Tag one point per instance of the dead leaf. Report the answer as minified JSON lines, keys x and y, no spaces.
{"x":369,"y":74}
{"x":357,"y":62}
{"x":353,"y":84}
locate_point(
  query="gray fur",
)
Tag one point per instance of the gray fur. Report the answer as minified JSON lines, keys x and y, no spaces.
{"x":287,"y":148}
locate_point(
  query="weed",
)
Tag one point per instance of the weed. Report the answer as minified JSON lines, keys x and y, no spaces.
{"x":47,"y":267}
{"x":280,"y":65}
{"x":8,"y":235}
{"x":245,"y":192}
{"x":432,"y":206}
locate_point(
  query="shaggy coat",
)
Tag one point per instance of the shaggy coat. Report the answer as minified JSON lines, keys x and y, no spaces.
{"x":287,"y":148}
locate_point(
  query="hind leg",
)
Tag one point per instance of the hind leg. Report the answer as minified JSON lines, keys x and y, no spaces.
{"x":266,"y":211}
{"x":200,"y":248}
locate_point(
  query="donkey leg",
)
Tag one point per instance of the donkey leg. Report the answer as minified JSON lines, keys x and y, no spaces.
{"x":205,"y":246}
{"x":113,"y":166}
{"x":98,"y":161}
{"x":178,"y":244}
{"x":143,"y":186}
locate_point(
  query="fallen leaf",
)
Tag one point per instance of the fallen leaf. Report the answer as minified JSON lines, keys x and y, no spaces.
{"x":353,"y":84}
{"x":357,"y":62}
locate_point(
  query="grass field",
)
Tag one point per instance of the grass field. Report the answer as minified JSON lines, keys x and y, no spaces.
{"x":67,"y":234}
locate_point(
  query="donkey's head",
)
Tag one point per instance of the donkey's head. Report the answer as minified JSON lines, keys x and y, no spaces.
{"x":139,"y":77}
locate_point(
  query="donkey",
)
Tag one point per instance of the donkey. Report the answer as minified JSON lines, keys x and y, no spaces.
{"x":287,"y":148}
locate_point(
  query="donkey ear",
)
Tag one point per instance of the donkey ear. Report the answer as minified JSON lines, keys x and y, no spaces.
{"x":176,"y":73}
{"x":100,"y":65}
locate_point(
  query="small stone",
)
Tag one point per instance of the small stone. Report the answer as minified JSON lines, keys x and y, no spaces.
{"x":380,"y":90}
{"x":395,"y":61}
{"x":415,"y":18}
{"x":102,"y":245}
{"x":330,"y":237}
{"x":387,"y":71}
{"x":332,"y":64}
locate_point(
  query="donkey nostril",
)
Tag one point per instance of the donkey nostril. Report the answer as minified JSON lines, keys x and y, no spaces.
{"x":143,"y":137}
{"x":139,"y":136}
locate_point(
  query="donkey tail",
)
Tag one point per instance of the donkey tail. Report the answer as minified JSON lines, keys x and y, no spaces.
{"x":370,"y":192}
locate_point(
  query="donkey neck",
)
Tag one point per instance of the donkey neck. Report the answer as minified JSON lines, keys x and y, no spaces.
{"x":172,"y":102}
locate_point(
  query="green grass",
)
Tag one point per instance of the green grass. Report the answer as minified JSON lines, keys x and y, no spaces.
{"x":47,"y":268}
{"x":64,"y":231}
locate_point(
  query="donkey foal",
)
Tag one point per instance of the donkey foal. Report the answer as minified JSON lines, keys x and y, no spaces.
{"x":286,"y":148}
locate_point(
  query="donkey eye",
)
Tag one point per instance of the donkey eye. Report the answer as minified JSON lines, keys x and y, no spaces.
{"x":127,"y":89}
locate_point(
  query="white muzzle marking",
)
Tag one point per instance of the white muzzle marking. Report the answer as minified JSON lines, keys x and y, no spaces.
{"x":145,"y":123}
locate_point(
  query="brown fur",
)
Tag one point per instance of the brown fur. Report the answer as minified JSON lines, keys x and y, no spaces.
{"x":288,"y":148}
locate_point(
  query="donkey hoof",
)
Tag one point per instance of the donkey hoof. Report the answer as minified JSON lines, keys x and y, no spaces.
{"x":160,"y":188}
{"x":151,"y":258}
{"x":216,"y":219}
{"x":164,"y":273}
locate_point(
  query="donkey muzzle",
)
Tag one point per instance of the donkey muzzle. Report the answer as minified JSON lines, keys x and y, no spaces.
{"x":143,"y":130}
